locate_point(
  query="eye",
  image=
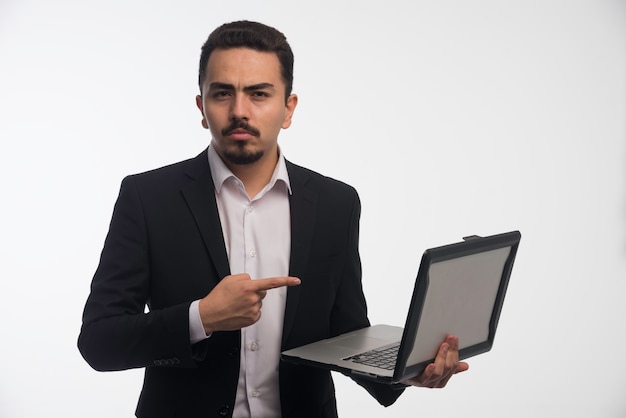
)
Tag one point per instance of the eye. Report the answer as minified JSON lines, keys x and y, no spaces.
{"x":259,"y":94}
{"x":220,"y":95}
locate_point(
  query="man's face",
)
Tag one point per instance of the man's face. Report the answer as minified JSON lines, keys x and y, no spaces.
{"x":243,"y":104}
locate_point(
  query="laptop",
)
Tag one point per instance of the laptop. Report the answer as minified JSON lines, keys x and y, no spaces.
{"x":459,"y":290}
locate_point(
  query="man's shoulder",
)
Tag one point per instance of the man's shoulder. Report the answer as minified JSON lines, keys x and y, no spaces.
{"x":302,"y":176}
{"x":191,"y":166}
{"x":168,"y":179}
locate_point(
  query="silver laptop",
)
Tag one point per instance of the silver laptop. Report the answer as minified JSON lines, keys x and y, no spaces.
{"x":459,"y":290}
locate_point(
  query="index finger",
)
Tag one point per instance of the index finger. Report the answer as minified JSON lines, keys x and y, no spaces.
{"x":274,"y":282}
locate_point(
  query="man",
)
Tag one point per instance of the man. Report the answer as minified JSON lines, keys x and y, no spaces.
{"x":238,"y":254}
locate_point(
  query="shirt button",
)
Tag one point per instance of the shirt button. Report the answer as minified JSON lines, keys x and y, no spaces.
{"x":254,"y":347}
{"x":253,"y":253}
{"x":255,"y":394}
{"x":250,"y":209}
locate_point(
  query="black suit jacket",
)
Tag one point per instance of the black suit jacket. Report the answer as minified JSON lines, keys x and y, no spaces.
{"x":165,"y":248}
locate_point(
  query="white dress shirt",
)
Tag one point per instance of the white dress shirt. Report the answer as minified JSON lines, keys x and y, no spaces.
{"x":258,"y":239}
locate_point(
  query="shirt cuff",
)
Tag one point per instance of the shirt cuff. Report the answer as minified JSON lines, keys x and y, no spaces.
{"x":196,"y":329}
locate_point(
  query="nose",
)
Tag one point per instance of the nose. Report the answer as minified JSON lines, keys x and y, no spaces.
{"x":239,"y":108}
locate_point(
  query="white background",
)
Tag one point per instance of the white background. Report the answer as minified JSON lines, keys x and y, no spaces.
{"x":450,"y":117}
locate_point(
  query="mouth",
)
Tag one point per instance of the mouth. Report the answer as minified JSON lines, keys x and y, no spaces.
{"x":240,"y":134}
{"x":240,"y":130}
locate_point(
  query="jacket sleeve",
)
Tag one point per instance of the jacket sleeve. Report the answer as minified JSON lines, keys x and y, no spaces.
{"x":117,"y":333}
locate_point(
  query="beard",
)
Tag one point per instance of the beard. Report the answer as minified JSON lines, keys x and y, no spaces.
{"x":241,"y":156}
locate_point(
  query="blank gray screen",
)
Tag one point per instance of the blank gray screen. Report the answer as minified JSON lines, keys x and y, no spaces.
{"x":459,"y":301}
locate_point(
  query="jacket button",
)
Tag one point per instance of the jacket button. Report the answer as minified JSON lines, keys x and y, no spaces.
{"x":224,"y":411}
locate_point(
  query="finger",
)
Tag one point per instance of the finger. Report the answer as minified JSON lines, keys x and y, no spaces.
{"x":445,"y":365}
{"x":458,"y":368}
{"x":455,"y":345}
{"x":430,"y":376}
{"x":462,"y":367}
{"x":452,"y":361}
{"x":436,"y":370}
{"x":240,"y":276}
{"x":433,"y":372}
{"x":274,"y":282}
{"x":442,"y":357}
{"x":453,"y":353}
{"x":427,"y":374}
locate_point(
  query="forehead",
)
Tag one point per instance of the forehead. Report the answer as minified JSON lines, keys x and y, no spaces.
{"x":243,"y":65}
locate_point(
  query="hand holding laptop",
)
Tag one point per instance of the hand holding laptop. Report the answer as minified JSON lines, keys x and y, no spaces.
{"x":446,"y":364}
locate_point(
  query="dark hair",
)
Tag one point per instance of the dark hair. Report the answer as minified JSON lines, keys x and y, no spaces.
{"x":251,"y":35}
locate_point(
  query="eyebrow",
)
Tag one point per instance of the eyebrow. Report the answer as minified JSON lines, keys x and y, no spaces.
{"x":225,"y":86}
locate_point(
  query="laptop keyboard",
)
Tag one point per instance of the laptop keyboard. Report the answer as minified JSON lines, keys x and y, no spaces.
{"x":383,"y":358}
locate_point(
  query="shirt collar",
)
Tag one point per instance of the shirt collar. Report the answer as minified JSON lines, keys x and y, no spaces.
{"x":221,"y":173}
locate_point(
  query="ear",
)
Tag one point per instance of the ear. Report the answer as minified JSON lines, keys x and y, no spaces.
{"x":200,"y":106}
{"x":290,"y":107}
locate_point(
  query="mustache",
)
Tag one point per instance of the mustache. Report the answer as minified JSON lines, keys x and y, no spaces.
{"x":240,"y":124}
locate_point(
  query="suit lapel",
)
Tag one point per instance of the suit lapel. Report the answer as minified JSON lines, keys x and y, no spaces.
{"x":302,"y":206}
{"x":200,"y":197}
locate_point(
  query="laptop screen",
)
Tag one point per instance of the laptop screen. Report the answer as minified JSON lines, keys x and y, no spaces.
{"x":460,"y":300}
{"x":459,"y":291}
